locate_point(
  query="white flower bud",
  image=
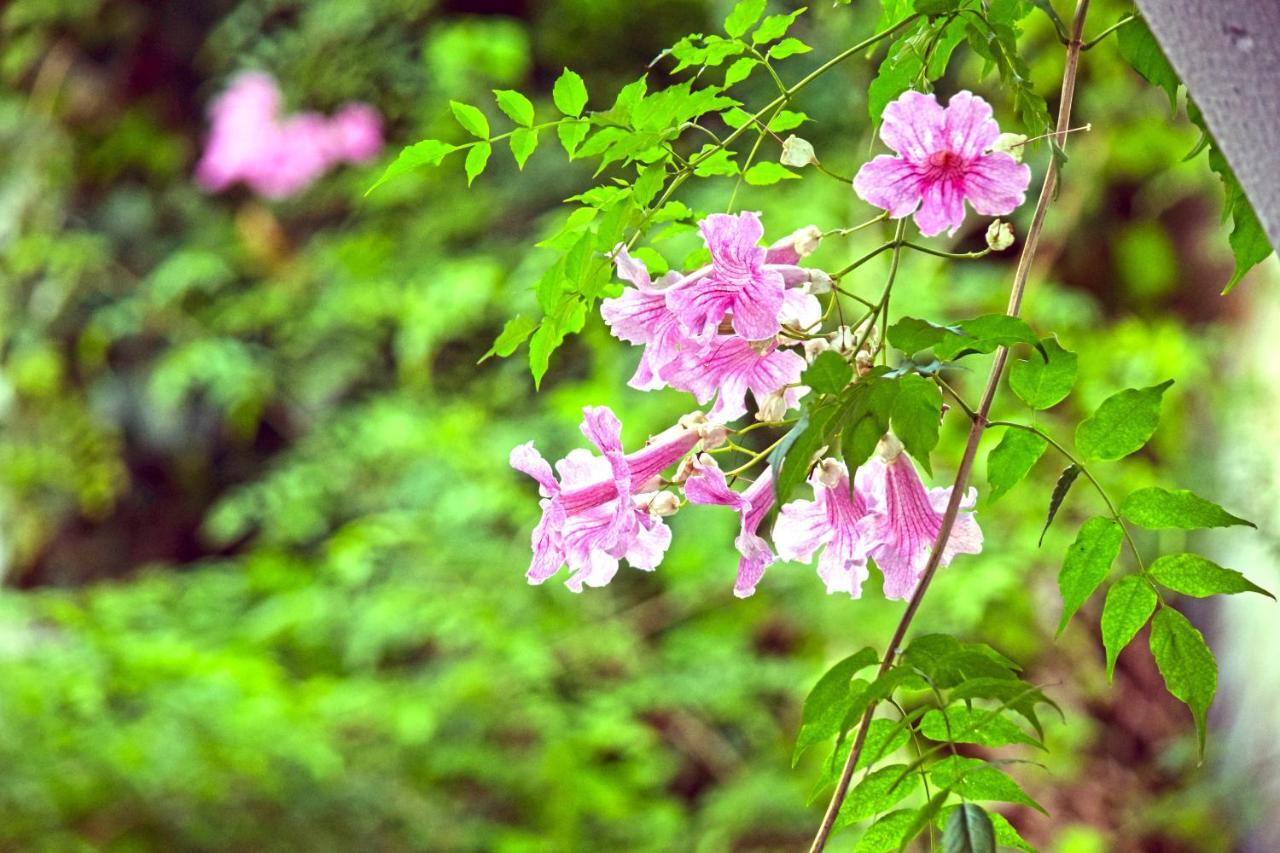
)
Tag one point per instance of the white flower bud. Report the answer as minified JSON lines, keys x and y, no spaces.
{"x":843,"y":340}
{"x":685,"y":469}
{"x":819,"y":282}
{"x":815,"y":347}
{"x":830,"y":472}
{"x":1011,"y":144}
{"x":863,"y":362}
{"x":999,"y":235}
{"x":713,"y":435}
{"x":773,"y":407}
{"x":889,"y":448}
{"x":797,"y":152}
{"x":663,"y":505}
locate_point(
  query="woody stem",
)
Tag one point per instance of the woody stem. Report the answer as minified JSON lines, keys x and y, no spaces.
{"x":979,"y":423}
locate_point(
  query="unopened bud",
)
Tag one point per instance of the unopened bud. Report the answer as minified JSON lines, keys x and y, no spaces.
{"x":1011,"y":144}
{"x":713,"y":435}
{"x":999,"y":235}
{"x":685,"y":469}
{"x":843,"y":340}
{"x":863,"y":362}
{"x":831,"y":472}
{"x":889,"y":448}
{"x":819,"y":282}
{"x":815,"y":347}
{"x":663,"y":505}
{"x":773,"y":407}
{"x":797,"y":152}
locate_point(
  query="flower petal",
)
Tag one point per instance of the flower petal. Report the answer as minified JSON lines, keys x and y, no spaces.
{"x":968,"y":128}
{"x":996,"y":184}
{"x":913,"y":125}
{"x":890,"y":183}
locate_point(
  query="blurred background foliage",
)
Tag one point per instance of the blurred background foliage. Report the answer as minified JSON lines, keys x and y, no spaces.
{"x":262,"y":552}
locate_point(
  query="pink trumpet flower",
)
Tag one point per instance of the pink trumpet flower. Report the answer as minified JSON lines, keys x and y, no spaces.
{"x":707,"y":485}
{"x":836,"y":521}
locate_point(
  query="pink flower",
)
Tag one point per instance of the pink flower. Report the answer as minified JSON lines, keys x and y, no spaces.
{"x":737,"y":283}
{"x":730,"y":367}
{"x":906,"y":518}
{"x":836,"y":521}
{"x":943,"y":160}
{"x":597,"y":513}
{"x":708,"y":486}
{"x":641,"y":316}
{"x":275,"y":156}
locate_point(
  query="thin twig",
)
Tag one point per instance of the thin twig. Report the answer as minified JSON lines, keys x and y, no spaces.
{"x":975,"y":430}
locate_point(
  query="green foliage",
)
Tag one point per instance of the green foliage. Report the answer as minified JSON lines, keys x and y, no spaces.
{"x":968,"y":830}
{"x":1043,"y":383}
{"x":1130,"y":603}
{"x":1012,"y":459}
{"x":825,"y":705}
{"x":1191,"y":574}
{"x":1087,"y":563}
{"x":1189,"y":670}
{"x":1159,"y":509}
{"x":1123,"y":424}
{"x":829,"y":373}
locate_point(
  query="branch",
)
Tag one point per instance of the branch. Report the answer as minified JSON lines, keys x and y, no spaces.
{"x":975,"y":429}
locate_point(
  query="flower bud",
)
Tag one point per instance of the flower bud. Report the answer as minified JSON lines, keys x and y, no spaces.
{"x":713,"y":435}
{"x":663,"y":505}
{"x":685,"y":469}
{"x":819,"y":282}
{"x":889,"y":448}
{"x":999,"y":235}
{"x":843,"y":340}
{"x":773,"y":407}
{"x":797,"y":152}
{"x":830,"y":473}
{"x":815,"y":347}
{"x":863,"y":362}
{"x":1011,"y":144}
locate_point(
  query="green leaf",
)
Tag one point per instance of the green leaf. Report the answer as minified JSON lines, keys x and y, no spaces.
{"x":513,"y":334}
{"x":477,"y":158}
{"x":958,"y":724}
{"x":886,"y":834}
{"x":766,"y":173}
{"x":896,"y":75}
{"x":1122,"y":424}
{"x":740,"y":70}
{"x":517,"y":107}
{"x":975,"y":779}
{"x":829,"y":373}
{"x":710,"y":162}
{"x":876,"y":793}
{"x":913,"y":335}
{"x":1012,"y":459}
{"x":1189,"y":670}
{"x":471,"y":119}
{"x":428,"y":152}
{"x":1043,"y":383}
{"x":884,"y":737}
{"x":1015,"y":693}
{"x":744,"y":14}
{"x":1007,"y":836}
{"x":571,"y":134}
{"x":825,"y":706}
{"x":1065,"y":480}
{"x":866,"y":416}
{"x":1140,"y":49}
{"x":1161,"y":509}
{"x":523,"y":143}
{"x":1249,"y":243}
{"x":1087,"y":563}
{"x":774,"y":27}
{"x":569,"y":93}
{"x":1191,"y":574}
{"x":917,"y":415}
{"x":984,"y":334}
{"x":969,"y":830}
{"x":787,"y":120}
{"x":1130,"y":603}
{"x":789,"y":46}
{"x":793,"y":457}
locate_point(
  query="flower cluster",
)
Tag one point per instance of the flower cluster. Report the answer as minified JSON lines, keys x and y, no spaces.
{"x":750,"y":322}
{"x":277,"y":156}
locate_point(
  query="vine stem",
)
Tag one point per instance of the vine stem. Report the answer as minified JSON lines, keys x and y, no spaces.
{"x":976,"y":428}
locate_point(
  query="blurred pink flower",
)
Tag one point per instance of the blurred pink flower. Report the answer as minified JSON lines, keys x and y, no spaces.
{"x":906,"y":518}
{"x":836,"y":521}
{"x":731,"y":366}
{"x":943,"y":160}
{"x":249,"y":141}
{"x":707,"y":485}
{"x":597,"y":513}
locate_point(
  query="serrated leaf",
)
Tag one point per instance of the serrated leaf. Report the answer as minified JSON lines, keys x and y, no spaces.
{"x":1042,"y":383}
{"x":428,"y":152}
{"x":877,"y":792}
{"x":1065,"y":480}
{"x":711,"y":161}
{"x":1161,"y":509}
{"x":968,"y":830}
{"x":917,"y":416}
{"x":767,"y":173}
{"x":571,"y":134}
{"x":1130,"y":603}
{"x":1122,"y":424}
{"x":743,"y":15}
{"x":569,"y":93}
{"x":789,"y":46}
{"x":517,"y":107}
{"x":1186,"y":663}
{"x":523,"y":143}
{"x":824,"y":707}
{"x":958,"y":724}
{"x":829,"y":373}
{"x":975,"y":779}
{"x":471,"y":119}
{"x":1012,"y":459}
{"x":1087,"y":563}
{"x":1191,"y":574}
{"x":1249,"y":243}
{"x":1141,"y":50}
{"x":787,"y":120}
{"x":774,"y":27}
{"x":513,"y":334}
{"x":1016,"y":694}
{"x":477,"y":159}
{"x":740,"y":70}
{"x":886,"y":834}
